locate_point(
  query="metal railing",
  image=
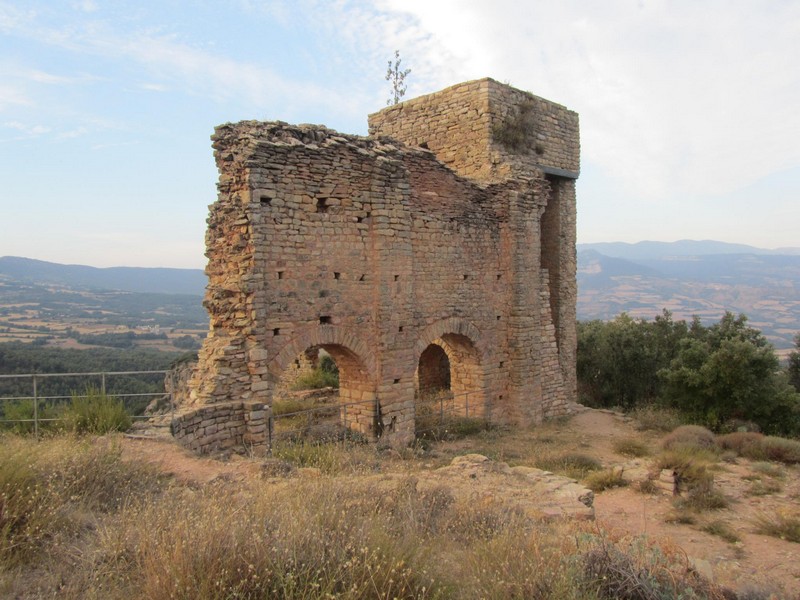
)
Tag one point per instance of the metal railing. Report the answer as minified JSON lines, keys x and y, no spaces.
{"x":329,"y":421}
{"x":41,"y":398}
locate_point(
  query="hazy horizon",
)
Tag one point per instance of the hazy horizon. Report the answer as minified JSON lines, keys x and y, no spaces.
{"x":792,"y":249}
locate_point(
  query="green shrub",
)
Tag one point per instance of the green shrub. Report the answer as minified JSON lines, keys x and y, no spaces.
{"x":22,"y":412}
{"x":97,"y":413}
{"x":316,"y":379}
{"x":287,"y":406}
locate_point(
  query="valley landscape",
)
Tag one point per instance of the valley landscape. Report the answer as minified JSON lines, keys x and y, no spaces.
{"x":53,"y":303}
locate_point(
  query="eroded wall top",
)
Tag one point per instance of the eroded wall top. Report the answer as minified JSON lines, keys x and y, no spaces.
{"x":487,"y":131}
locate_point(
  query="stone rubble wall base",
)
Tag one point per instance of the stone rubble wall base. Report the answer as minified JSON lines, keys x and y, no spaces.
{"x":232,"y":426}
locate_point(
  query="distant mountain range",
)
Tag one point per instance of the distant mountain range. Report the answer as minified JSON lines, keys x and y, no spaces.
{"x":659,"y":250}
{"x":128,"y":279}
{"x":703,"y":278}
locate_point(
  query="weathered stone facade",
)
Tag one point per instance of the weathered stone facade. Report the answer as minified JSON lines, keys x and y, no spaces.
{"x":453,"y":224}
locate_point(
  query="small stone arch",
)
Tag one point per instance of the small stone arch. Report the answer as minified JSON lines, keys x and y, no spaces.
{"x":460,"y":341}
{"x":324,"y":335}
{"x":454,"y":325}
{"x":356,"y":371}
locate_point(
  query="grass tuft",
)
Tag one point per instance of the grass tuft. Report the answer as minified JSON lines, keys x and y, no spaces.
{"x":721,"y":529}
{"x":631,"y":447}
{"x":605,"y":479}
{"x":785,"y":526}
{"x":651,"y":417}
{"x":47,"y":487}
{"x":572,"y":464}
{"x":97,"y":413}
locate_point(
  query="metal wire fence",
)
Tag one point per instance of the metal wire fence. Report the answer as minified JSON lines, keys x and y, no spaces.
{"x":436,"y":416}
{"x":31,"y":401}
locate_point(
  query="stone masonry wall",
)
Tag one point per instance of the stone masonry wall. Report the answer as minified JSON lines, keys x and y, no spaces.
{"x":372,"y":249}
{"x":222,"y":427}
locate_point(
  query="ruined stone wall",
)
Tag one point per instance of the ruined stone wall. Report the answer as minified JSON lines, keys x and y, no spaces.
{"x":375,"y":248}
{"x":223,"y":427}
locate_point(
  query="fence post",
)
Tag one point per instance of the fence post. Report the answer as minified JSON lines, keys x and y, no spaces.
{"x":35,"y":410}
{"x":103,"y":383}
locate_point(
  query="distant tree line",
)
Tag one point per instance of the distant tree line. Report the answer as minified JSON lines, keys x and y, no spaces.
{"x":126,"y":339}
{"x":22,"y":358}
{"x":723,"y":376}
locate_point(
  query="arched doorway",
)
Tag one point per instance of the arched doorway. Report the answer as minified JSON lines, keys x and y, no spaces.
{"x":433,"y":372}
{"x":450,"y":382}
{"x":330,"y":351}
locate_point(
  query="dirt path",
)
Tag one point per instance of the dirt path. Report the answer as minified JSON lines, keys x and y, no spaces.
{"x":755,"y":561}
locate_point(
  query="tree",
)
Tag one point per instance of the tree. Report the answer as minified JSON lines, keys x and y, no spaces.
{"x":794,"y":364}
{"x":618,"y":361}
{"x":729,"y":371}
{"x":397,"y":79}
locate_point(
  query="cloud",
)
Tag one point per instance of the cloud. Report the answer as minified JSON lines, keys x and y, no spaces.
{"x":88,"y":6}
{"x":11,"y":95}
{"x":688,"y":98}
{"x":154,"y":87}
{"x":28,"y":130}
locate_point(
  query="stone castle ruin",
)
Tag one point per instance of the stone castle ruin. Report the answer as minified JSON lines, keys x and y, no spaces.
{"x":437,"y":252}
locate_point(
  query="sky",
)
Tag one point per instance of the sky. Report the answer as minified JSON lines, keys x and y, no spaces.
{"x":689,"y":109}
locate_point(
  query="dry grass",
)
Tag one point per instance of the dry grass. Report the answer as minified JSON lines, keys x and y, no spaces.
{"x":721,"y":529}
{"x":111,"y":530}
{"x":631,"y":447}
{"x":605,"y":479}
{"x":692,"y":465}
{"x":783,"y":525}
{"x":689,"y":436}
{"x":656,"y":418}
{"x":781,"y":450}
{"x":743,"y":443}
{"x":759,"y":487}
{"x":48,"y":490}
{"x":575,"y":465}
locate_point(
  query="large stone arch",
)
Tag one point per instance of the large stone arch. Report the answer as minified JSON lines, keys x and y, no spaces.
{"x":463,"y":345}
{"x":357,"y":380}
